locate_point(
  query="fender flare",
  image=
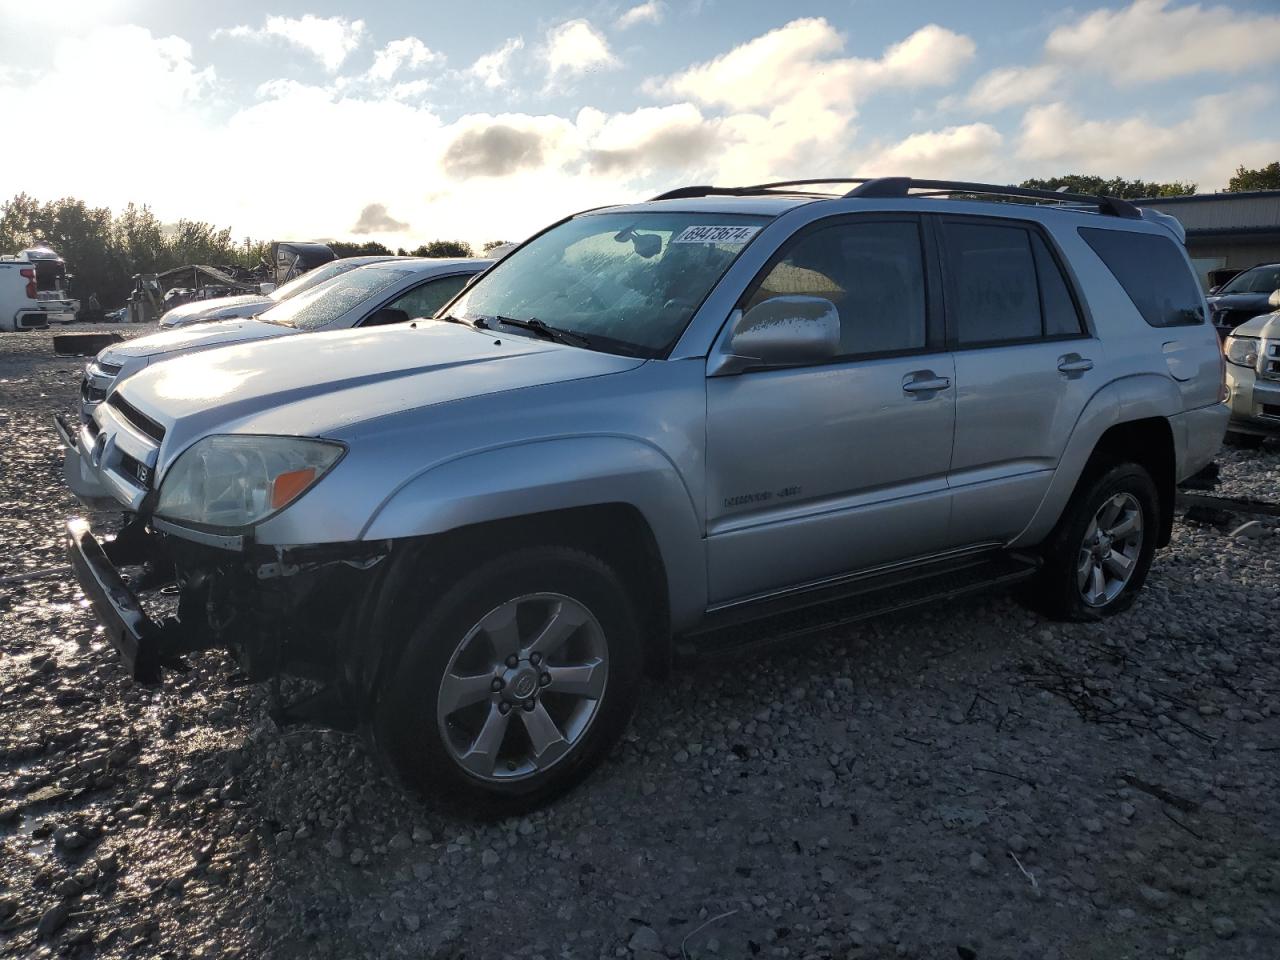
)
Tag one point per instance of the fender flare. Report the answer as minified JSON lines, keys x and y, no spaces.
{"x":516,"y":480}
{"x":1137,"y":397}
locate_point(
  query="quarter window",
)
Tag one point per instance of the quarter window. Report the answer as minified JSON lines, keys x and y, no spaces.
{"x":1153,"y":272}
{"x":874,"y":274}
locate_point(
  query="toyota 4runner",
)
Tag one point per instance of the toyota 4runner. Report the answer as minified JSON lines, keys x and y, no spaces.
{"x":725,"y":416}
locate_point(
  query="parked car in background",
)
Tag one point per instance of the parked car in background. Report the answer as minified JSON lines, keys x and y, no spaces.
{"x":247,"y":305}
{"x":646,"y":427}
{"x":49,"y":272}
{"x":372,"y":295}
{"x":1252,"y":350}
{"x":20,"y":308}
{"x":1246,"y":295}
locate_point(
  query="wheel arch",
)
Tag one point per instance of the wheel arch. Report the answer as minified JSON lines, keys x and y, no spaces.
{"x":1129,"y":419}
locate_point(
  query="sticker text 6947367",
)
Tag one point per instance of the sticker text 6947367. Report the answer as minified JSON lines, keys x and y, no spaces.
{"x":710,"y":233}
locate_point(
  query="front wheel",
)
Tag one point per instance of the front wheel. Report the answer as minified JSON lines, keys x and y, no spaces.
{"x":1098,"y":558}
{"x":515,"y":683}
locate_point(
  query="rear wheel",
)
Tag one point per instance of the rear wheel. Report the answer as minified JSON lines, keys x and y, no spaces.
{"x":514,"y":683}
{"x":1098,"y":558}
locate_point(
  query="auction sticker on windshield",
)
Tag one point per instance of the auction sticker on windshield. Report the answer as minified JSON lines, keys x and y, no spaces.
{"x":714,"y":234}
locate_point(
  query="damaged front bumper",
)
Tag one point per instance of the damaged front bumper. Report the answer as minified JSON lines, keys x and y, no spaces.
{"x":280,"y":611}
{"x":138,"y":638}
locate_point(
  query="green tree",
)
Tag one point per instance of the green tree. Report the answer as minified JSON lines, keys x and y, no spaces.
{"x":1113,"y":187}
{"x":444,"y":248}
{"x":1264,"y":178}
{"x":490,"y":244}
{"x":370,"y":248}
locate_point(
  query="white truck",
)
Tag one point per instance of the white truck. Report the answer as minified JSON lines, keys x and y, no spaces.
{"x":19,"y":304}
{"x":44,"y":276}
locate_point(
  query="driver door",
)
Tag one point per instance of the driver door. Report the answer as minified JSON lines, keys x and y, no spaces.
{"x":819,"y":471}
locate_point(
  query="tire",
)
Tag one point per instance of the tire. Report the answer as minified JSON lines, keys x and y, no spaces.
{"x":433,"y":747}
{"x":1058,"y":590}
{"x":1245,"y":441}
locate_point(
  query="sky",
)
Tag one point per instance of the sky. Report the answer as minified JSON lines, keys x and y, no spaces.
{"x":404,"y":121}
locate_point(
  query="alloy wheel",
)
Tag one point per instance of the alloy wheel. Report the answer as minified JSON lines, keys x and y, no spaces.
{"x":522,"y":687}
{"x":1110,"y":550}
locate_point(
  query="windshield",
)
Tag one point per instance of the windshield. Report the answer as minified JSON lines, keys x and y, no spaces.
{"x":324,"y":304}
{"x":1257,"y":280}
{"x":627,"y":282}
{"x":318,"y":276}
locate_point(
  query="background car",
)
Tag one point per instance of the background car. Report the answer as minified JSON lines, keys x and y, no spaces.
{"x":1253,"y":380}
{"x":1243,"y":297}
{"x":251,"y":304}
{"x":372,"y":295}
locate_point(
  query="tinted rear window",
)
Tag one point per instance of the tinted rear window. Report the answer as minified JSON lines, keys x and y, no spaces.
{"x":1153,"y":273}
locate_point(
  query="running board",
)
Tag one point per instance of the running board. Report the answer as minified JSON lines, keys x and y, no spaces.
{"x":762,"y":625}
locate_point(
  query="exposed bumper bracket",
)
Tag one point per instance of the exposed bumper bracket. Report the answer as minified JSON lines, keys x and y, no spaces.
{"x":143,"y":644}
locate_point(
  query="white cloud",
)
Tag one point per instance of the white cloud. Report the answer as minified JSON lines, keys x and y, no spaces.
{"x":971,"y":152}
{"x":408,"y":53}
{"x":652,"y":12}
{"x":796,"y":61}
{"x":1012,"y":86}
{"x":491,"y":70}
{"x":329,"y":39}
{"x":576,"y":47}
{"x":1147,"y":41}
{"x":1056,"y":135}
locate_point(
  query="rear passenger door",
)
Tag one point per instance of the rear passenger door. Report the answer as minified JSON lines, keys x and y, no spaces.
{"x":1024,"y":362}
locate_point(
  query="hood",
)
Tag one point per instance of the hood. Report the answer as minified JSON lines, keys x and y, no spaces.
{"x":242,"y":306}
{"x":318,"y":384}
{"x":196,"y":337}
{"x":1266,"y":326}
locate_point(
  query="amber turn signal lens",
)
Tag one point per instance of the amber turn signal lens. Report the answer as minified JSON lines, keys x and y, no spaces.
{"x":289,"y":485}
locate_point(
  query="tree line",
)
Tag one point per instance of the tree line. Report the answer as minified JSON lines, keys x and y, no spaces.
{"x":105,"y":250}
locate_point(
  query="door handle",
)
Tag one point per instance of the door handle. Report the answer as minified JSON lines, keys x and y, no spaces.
{"x":1074,"y":364}
{"x":925,"y":382}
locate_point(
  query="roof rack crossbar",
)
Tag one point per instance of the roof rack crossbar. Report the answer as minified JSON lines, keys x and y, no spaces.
{"x":902,"y":187}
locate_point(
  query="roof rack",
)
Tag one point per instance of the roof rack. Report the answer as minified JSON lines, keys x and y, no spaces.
{"x":901,"y":187}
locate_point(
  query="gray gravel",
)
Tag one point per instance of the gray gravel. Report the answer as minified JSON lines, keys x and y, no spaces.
{"x":965,"y":781}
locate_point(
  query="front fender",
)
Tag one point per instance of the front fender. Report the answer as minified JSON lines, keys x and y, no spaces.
{"x":557,"y":474}
{"x":1130,"y":398}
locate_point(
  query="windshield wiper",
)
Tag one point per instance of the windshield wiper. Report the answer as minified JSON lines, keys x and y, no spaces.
{"x":546,"y":331}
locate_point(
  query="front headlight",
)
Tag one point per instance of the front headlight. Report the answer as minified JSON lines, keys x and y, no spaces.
{"x":1242,"y":351}
{"x":236,"y":481}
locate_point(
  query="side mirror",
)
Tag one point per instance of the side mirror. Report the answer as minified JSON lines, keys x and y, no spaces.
{"x":1273,"y":301}
{"x":1215,"y":288}
{"x":385,"y":316}
{"x":778,"y":332}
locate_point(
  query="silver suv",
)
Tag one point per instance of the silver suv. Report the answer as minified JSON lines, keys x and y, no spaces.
{"x":721,"y":417}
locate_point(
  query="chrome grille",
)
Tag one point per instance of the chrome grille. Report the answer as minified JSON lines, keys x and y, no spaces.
{"x":136,"y":418}
{"x":1270,"y":367}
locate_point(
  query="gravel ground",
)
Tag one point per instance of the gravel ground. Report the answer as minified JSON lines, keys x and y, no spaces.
{"x":967,"y":781}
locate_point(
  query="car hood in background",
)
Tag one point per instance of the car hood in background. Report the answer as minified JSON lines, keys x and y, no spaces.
{"x":196,"y":337}
{"x":1267,"y":325}
{"x":318,"y":384}
{"x":223,"y":308}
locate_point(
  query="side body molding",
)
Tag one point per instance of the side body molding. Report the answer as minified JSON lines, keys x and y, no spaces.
{"x":556,"y":474}
{"x":1121,"y":401}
